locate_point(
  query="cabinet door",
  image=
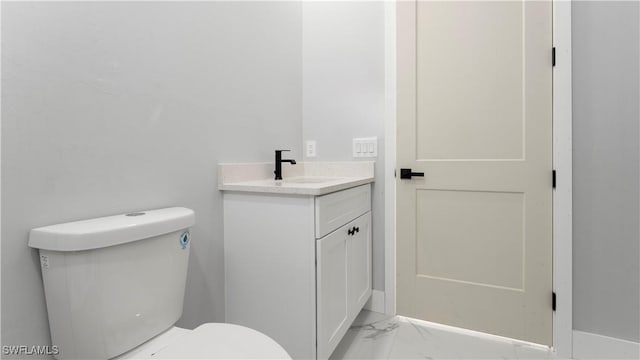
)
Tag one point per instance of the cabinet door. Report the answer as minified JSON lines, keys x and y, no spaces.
{"x":359,"y":262}
{"x":332,"y":292}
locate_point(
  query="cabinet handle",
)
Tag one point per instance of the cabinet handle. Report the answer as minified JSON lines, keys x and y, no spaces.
{"x":351,"y":231}
{"x":357,"y":229}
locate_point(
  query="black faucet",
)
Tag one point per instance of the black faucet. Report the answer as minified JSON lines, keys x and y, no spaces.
{"x":279,"y":162}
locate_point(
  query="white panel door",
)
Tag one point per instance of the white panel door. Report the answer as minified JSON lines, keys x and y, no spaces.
{"x":332,"y":290}
{"x":474,"y":114}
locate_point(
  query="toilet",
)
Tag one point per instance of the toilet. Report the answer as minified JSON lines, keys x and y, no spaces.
{"x":114,"y":288}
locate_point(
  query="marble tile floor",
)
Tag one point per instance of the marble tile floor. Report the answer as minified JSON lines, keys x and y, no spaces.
{"x":378,"y":336}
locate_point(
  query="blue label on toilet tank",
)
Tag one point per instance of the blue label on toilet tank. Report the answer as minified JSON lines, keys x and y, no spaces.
{"x":184,"y":239}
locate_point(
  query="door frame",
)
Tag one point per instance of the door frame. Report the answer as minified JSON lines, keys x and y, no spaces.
{"x":562,"y":163}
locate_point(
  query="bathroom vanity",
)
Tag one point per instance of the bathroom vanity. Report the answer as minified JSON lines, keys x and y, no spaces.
{"x":298,"y":252}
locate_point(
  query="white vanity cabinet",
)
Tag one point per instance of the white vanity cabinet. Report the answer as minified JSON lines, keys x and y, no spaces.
{"x":298,"y":267}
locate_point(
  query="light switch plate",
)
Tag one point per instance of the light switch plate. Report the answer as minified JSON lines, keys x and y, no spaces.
{"x":311,"y":148}
{"x":365,"y":147}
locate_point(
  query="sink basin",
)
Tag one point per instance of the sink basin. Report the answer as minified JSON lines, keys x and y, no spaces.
{"x":309,"y":180}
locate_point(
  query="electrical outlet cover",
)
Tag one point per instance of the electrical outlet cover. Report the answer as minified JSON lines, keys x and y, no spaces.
{"x":311,"y":148}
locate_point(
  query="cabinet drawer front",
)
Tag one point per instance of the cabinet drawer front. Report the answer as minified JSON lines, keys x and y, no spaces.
{"x":336,"y":209}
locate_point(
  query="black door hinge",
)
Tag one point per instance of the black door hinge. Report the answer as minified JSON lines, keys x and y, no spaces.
{"x":553,"y":56}
{"x":553,"y":178}
{"x":553,"y":301}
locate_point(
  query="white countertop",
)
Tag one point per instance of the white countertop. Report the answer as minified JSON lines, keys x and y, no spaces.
{"x":309,"y":178}
{"x":293,"y":186}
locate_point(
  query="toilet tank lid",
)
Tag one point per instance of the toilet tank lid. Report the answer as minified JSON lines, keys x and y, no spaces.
{"x":111,"y":230}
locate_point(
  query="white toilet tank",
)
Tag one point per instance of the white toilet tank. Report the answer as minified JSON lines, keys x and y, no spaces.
{"x":113,"y":283}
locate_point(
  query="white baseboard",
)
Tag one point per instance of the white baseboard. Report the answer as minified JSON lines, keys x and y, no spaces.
{"x":593,"y":346}
{"x":376,"y":302}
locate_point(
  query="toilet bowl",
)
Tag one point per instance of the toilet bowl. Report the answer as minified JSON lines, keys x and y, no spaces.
{"x":209,"y":341}
{"x":114,"y":288}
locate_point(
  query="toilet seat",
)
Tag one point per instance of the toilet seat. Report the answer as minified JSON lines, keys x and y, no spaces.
{"x":210,"y":341}
{"x":223,"y":341}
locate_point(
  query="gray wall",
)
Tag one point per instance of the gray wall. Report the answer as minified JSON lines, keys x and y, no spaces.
{"x":114,"y":107}
{"x":606,"y":114}
{"x":344,"y":91}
